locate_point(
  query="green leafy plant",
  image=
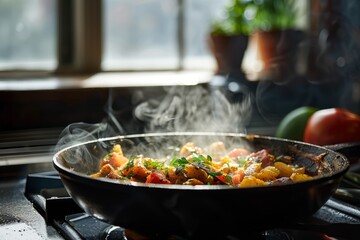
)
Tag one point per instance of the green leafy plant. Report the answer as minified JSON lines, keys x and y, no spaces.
{"x":274,"y":14}
{"x":245,"y":16}
{"x":234,"y":21}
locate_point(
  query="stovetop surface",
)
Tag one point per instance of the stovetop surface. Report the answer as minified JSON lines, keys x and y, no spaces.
{"x":20,"y":218}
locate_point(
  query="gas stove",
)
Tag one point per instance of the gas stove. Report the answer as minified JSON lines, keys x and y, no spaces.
{"x":35,"y":205}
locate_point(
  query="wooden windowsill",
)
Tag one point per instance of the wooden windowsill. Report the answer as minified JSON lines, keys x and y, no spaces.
{"x":106,"y":80}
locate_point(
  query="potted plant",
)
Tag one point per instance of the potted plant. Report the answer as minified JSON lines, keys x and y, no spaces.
{"x":229,"y":36}
{"x":275,"y":35}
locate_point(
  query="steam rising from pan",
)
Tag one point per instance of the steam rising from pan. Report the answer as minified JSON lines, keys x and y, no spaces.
{"x":82,"y":132}
{"x":181,"y":109}
{"x":194,"y":109}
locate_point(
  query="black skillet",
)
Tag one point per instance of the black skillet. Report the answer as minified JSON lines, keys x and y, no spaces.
{"x":187,"y":210}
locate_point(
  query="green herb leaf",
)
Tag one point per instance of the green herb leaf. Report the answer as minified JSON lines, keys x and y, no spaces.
{"x":179,"y":162}
{"x":214,"y":174}
{"x":228,"y":178}
{"x":242,"y":161}
{"x":130,"y":164}
{"x":157,"y":165}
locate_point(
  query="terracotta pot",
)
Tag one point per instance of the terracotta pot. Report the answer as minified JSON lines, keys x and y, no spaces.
{"x":228,"y":52}
{"x":278,"y":50}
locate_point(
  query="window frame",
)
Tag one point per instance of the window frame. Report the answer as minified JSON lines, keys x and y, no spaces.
{"x":80,"y":28}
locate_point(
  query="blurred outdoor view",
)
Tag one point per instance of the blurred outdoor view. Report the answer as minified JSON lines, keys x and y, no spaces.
{"x":144,"y":33}
{"x":137,"y":34}
{"x":28,"y":34}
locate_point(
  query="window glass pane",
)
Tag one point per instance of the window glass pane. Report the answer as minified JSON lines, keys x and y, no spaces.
{"x":198,"y":16}
{"x":140,"y":34}
{"x":28,"y":34}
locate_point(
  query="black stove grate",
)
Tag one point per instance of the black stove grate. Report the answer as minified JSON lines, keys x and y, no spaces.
{"x":45,"y":190}
{"x":50,"y":199}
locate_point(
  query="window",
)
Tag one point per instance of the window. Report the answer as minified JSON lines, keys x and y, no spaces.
{"x":155,"y":34}
{"x":140,"y":34}
{"x":28,"y":34}
{"x":56,"y":35}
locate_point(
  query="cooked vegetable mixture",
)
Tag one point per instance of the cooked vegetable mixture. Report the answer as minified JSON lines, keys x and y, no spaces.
{"x":212,"y":165}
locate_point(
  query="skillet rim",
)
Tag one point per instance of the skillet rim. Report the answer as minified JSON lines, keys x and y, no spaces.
{"x":108,"y":182}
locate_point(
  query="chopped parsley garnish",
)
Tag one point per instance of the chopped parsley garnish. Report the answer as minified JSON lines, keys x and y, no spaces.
{"x":153,"y":164}
{"x":215,"y":174}
{"x":201,"y":158}
{"x":228,"y":178}
{"x":242,"y":161}
{"x":179,"y":164}
{"x":130,"y":164}
{"x":157,"y":165}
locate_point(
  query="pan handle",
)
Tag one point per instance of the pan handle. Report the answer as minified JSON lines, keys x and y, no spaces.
{"x":351,"y":151}
{"x":351,"y":148}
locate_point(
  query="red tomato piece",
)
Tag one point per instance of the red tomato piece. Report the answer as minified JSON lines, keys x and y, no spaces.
{"x":238,"y":177}
{"x":332,"y":126}
{"x":238,"y":152}
{"x":157,"y":177}
{"x":222,"y":179}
